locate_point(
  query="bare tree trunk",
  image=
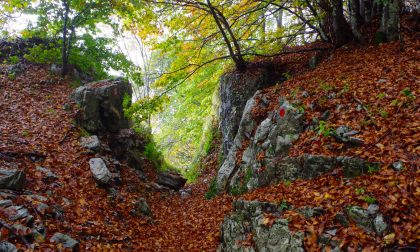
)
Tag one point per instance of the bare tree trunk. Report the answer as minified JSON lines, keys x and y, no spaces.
{"x":222,"y":24}
{"x":64,"y":38}
{"x":355,"y":18}
{"x":390,"y":20}
{"x":263,"y":27}
{"x":342,"y":32}
{"x":279,"y":19}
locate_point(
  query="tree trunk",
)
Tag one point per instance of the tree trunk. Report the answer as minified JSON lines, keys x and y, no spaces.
{"x":342,"y":31}
{"x":390,"y":20}
{"x":355,"y":18}
{"x":221,"y":22}
{"x":64,"y":52}
{"x":279,"y":19}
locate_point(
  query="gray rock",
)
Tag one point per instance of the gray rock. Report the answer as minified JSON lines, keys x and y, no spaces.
{"x":344,"y":135}
{"x":248,"y":217}
{"x":66,"y":241}
{"x":7,"y":247}
{"x":314,"y":61}
{"x":91,"y":142}
{"x":171,"y":179}
{"x":310,"y":212}
{"x":354,"y":166}
{"x":233,"y":102}
{"x":273,"y":137}
{"x":381,"y":81}
{"x":48,"y":174}
{"x":185,"y":193}
{"x":372,"y":209}
{"x":12,"y":179}
{"x":99,"y":170}
{"x":143,"y":208}
{"x":361,"y":217}
{"x":5,"y":203}
{"x":101,"y":105}
{"x":379,"y":224}
{"x":16,"y":69}
{"x":398,"y":166}
{"x":19,"y":213}
{"x":342,"y":219}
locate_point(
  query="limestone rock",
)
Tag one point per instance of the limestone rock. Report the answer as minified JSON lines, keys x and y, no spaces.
{"x":91,"y":142}
{"x":48,"y":174}
{"x":233,"y":102}
{"x":66,"y":241}
{"x":143,"y":208}
{"x":248,"y":218}
{"x":7,"y":247}
{"x":99,"y":170}
{"x":101,"y":105}
{"x":12,"y":179}
{"x":171,"y":179}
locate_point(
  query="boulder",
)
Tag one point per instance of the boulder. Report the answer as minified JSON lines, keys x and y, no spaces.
{"x":100,"y":171}
{"x":66,"y":241}
{"x":12,"y":179}
{"x":90,"y":142}
{"x":101,"y":105}
{"x":7,"y":247}
{"x":171,"y":179}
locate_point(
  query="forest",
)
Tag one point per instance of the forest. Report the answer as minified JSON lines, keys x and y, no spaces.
{"x":209,"y":125}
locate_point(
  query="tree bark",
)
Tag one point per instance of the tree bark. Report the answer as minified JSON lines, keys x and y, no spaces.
{"x":342,"y":31}
{"x":390,"y":20}
{"x":64,"y":38}
{"x":279,"y":19}
{"x":222,"y":25}
{"x":355,"y":18}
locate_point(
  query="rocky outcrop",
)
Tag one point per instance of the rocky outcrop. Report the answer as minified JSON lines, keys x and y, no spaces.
{"x":235,"y":90}
{"x":249,"y":221}
{"x":101,"y":112}
{"x":268,"y":141}
{"x":101,"y":107}
{"x":171,"y":179}
{"x":12,"y":179}
{"x":259,"y":154}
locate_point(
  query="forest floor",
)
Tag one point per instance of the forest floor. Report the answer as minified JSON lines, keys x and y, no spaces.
{"x":381,"y":79}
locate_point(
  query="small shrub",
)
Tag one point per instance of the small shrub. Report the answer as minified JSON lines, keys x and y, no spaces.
{"x":43,"y":55}
{"x":369,"y":200}
{"x":14,"y":60}
{"x":373,"y":168}
{"x":283,"y":205}
{"x":381,"y":96}
{"x":383,"y":113}
{"x":360,"y":191}
{"x":212,"y":191}
{"x":323,"y":129}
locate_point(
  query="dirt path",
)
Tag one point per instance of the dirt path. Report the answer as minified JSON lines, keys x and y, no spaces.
{"x":34,"y":119}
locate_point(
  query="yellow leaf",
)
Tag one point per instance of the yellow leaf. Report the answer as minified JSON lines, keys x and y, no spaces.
{"x":389,"y":238}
